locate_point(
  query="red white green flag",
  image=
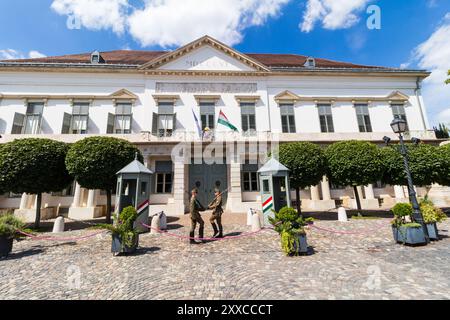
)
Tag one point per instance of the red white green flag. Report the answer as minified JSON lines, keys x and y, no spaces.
{"x":268,"y":204}
{"x":223,"y":120}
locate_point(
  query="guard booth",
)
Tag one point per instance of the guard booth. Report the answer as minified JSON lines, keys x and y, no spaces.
{"x":133,"y":189}
{"x":275,"y":188}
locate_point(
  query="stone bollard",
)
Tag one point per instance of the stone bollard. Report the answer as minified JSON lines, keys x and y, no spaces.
{"x":163,"y":221}
{"x":156,"y":225}
{"x":342,"y":214}
{"x":256,"y":223}
{"x":249,"y":217}
{"x":58,"y":226}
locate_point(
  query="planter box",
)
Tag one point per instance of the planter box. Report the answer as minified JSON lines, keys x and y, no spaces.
{"x":412,"y":236}
{"x":303,"y":249}
{"x":432,"y":231}
{"x":117,"y":247}
{"x":6,"y":245}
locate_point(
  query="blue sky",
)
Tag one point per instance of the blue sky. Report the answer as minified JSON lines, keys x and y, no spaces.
{"x":413,"y":34}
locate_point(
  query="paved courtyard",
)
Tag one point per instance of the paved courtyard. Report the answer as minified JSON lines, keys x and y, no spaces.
{"x":364,"y":264}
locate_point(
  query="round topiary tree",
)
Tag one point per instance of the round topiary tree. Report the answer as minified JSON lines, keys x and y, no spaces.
{"x":444,"y":171}
{"x":424,"y":164}
{"x":95,"y":161}
{"x":354,"y":163}
{"x":34,"y":166}
{"x":307,"y":165}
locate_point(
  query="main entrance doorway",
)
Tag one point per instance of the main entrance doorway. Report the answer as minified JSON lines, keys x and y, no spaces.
{"x":207,"y":177}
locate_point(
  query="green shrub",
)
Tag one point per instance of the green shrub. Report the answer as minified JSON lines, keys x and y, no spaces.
{"x":123,"y":226}
{"x":10,"y":225}
{"x":432,"y":214}
{"x":401,"y":211}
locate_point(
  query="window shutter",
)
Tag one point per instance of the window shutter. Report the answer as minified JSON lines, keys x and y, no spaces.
{"x":155,"y":124}
{"x":67,"y":121}
{"x":110,"y":125}
{"x":18,"y":123}
{"x":174,"y":122}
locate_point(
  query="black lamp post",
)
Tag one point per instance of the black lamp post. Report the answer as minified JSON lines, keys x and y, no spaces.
{"x":399,"y":126}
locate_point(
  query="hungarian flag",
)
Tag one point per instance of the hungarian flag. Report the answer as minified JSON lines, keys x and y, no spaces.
{"x":223,"y":120}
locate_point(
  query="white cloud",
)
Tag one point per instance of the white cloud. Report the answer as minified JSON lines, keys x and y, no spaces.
{"x":95,"y":14}
{"x":11,"y":54}
{"x":171,"y":22}
{"x":434,"y":55}
{"x":334,"y":14}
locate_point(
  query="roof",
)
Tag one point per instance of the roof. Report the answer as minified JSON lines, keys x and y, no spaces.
{"x":273,"y":167}
{"x":135,"y":167}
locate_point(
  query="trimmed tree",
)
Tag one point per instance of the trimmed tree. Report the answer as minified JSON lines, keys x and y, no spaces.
{"x":307,"y":165}
{"x":424,"y":164}
{"x":448,"y":80}
{"x":354,"y":163}
{"x":34,"y":166}
{"x":95,"y":161}
{"x":444,"y":171}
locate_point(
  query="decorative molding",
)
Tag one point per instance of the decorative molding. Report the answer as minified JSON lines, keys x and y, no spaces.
{"x":205,"y":87}
{"x":205,"y":97}
{"x":204,"y":41}
{"x":398,"y":97}
{"x":123,"y":94}
{"x":286,"y":96}
{"x":173,"y":98}
{"x":254,"y":99}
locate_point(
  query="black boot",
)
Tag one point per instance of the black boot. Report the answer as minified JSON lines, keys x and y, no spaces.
{"x":200,"y":234}
{"x":220,"y":235}
{"x":191,"y":236}
{"x":216,"y":230}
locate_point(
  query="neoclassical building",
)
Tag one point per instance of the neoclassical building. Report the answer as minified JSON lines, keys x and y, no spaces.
{"x":163,"y":102}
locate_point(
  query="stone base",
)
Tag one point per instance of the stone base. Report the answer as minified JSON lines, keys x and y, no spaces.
{"x":440,"y":196}
{"x":318,"y":205}
{"x":370,"y":204}
{"x":29,"y":215}
{"x":85,"y":213}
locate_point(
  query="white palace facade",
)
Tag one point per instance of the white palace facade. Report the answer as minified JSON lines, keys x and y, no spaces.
{"x":150,"y":98}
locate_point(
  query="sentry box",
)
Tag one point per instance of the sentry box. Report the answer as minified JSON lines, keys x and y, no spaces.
{"x":275,"y":188}
{"x":133,"y":189}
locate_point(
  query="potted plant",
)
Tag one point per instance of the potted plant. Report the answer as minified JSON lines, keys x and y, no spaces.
{"x":291,"y":227}
{"x":125,"y":238}
{"x":404,"y":228}
{"x":9,"y":230}
{"x":432,"y":216}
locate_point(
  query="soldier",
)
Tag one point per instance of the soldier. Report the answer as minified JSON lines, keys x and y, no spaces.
{"x":216,"y":206}
{"x":195,"y":208}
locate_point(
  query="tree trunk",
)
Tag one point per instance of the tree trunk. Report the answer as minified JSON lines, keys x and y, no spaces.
{"x":299,"y":201}
{"x":358,"y":201}
{"x":108,"y":206}
{"x":37,"y":220}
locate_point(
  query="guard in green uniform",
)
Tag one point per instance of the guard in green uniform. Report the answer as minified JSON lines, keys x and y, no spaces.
{"x":216,"y":206}
{"x":194,"y":208}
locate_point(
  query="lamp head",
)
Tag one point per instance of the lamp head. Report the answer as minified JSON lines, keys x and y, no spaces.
{"x":386,"y":140}
{"x":416,"y":141}
{"x":398,"y":126}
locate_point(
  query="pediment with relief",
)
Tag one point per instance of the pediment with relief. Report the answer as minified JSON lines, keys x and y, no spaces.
{"x":205,"y":54}
{"x":123,"y":94}
{"x":398,"y":96}
{"x":286,"y":96}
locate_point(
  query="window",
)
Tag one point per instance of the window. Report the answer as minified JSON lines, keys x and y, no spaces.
{"x":164,"y":122}
{"x":287,"y":118}
{"x":248,"y":116}
{"x":33,"y":118}
{"x":80,"y":118}
{"x":398,"y":111}
{"x":326,"y":118}
{"x":250,"y":181}
{"x":207,"y":114}
{"x":163,"y":177}
{"x":123,"y":118}
{"x":362,"y":113}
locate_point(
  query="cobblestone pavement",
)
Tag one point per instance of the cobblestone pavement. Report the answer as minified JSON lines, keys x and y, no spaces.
{"x":367,"y":265}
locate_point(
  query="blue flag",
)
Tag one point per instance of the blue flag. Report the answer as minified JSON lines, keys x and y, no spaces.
{"x":199,"y":128}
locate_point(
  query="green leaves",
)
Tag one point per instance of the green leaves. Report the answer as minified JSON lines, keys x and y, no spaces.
{"x":95,"y":161}
{"x":354,"y":163}
{"x":306,"y":162}
{"x":33,"y":166}
{"x":444,"y":170}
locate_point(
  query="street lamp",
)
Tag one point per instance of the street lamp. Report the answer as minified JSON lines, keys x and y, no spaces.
{"x":399,"y":126}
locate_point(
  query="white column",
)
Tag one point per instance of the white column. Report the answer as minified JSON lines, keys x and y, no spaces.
{"x":325,"y":184}
{"x":369,"y":192}
{"x":77,"y":196}
{"x":399,"y":194}
{"x":234,"y":201}
{"x":92,"y":199}
{"x":31,"y":201}
{"x":23,"y":202}
{"x":360,"y":192}
{"x":178,"y":187}
{"x":315,"y":196}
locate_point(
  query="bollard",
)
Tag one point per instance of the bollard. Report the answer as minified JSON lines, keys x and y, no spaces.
{"x":163,"y":221}
{"x":249,"y":217}
{"x":58,"y":226}
{"x":156,"y":225}
{"x":256,"y":223}
{"x":342,"y":214}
